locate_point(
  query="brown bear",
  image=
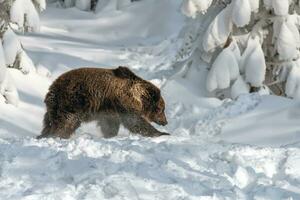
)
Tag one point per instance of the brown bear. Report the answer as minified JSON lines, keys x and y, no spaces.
{"x":110,"y":96}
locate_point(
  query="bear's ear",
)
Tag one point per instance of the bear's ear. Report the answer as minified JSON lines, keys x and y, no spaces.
{"x":154,"y":94}
{"x":124,"y":72}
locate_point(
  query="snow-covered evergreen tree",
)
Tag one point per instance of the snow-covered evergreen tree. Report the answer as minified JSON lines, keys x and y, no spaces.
{"x":251,"y":45}
{"x":96,"y":5}
{"x":24,"y":14}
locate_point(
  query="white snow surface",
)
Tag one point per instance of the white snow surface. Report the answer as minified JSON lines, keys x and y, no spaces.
{"x":248,"y":148}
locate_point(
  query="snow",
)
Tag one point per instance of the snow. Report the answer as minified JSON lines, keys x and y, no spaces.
{"x":277,"y":112}
{"x":292,"y":23}
{"x":106,"y":5}
{"x":219,"y":30}
{"x":242,"y":178}
{"x":235,"y":49}
{"x":69,"y":3}
{"x":103,"y":5}
{"x":241,"y":12}
{"x":281,"y":7}
{"x":2,"y":62}
{"x":286,"y":43}
{"x":41,"y":4}
{"x":122,"y":4}
{"x":83,"y":4}
{"x":19,"y":9}
{"x":224,"y":70}
{"x":124,"y":169}
{"x":255,"y":64}
{"x":246,"y":148}
{"x":11,"y":46}
{"x":292,"y":87}
{"x":254,"y":4}
{"x":268,"y":4}
{"x":7,"y":89}
{"x":191,"y":8}
{"x":239,"y":87}
{"x":26,"y":63}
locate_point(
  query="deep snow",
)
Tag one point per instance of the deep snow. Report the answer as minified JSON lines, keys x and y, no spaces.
{"x":242,"y":149}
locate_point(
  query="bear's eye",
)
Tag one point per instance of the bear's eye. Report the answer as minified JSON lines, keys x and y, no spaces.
{"x":159,"y":110}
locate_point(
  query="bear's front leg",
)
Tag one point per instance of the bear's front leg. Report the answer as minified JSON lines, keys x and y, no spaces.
{"x":138,"y":125}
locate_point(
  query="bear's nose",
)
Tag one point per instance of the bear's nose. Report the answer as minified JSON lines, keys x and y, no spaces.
{"x":164,"y":122}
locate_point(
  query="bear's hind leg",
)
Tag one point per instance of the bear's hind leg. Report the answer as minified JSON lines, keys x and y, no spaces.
{"x":46,"y":132}
{"x":109,"y":125}
{"x":66,"y":125}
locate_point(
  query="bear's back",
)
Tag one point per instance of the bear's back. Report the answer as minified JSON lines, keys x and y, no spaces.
{"x":85,"y":78}
{"x":79,"y":89}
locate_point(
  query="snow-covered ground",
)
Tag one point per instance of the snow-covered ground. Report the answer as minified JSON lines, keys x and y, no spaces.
{"x":243,"y":149}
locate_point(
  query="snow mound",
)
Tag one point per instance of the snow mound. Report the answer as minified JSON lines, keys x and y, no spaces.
{"x":271,"y":123}
{"x":211,"y":125}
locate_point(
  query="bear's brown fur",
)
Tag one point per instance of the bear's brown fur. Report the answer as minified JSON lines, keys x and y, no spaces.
{"x":110,"y":96}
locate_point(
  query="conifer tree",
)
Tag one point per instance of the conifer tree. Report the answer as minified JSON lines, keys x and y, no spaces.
{"x":22,"y":14}
{"x":96,"y":5}
{"x":251,"y":45}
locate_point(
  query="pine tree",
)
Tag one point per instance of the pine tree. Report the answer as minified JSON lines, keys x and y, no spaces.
{"x":252,"y":45}
{"x":96,"y":5}
{"x":23,"y":14}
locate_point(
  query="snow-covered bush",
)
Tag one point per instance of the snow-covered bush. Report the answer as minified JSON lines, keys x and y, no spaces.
{"x":24,"y":14}
{"x":96,"y":5}
{"x":251,"y":44}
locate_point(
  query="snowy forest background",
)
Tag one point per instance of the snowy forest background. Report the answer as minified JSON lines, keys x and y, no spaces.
{"x":229,"y":71}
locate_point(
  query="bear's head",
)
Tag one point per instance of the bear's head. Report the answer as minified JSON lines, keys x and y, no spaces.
{"x":151,"y":104}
